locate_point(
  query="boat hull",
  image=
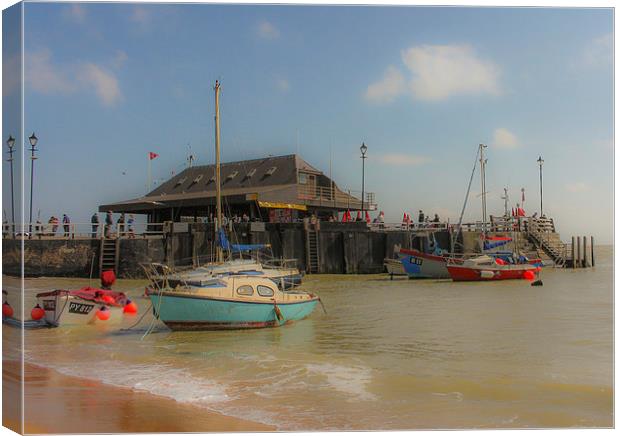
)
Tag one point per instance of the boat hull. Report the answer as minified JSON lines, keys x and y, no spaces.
{"x":460,"y":273}
{"x":181,"y":312}
{"x":420,"y":265}
{"x":66,"y":310}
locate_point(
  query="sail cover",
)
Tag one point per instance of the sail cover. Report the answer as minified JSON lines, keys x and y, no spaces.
{"x":495,"y":241}
{"x":226,"y":245}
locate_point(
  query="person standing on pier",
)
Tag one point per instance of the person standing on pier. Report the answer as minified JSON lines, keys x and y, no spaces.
{"x":66,"y":223}
{"x":94,"y":220}
{"x":108,"y":224}
{"x":421,"y":217}
{"x":120,"y":225}
{"x":130,"y":226}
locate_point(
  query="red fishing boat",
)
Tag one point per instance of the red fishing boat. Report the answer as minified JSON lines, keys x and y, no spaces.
{"x":484,"y":268}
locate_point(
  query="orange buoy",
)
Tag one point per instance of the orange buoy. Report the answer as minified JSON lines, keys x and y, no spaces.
{"x":108,"y":278}
{"x":108,"y":299}
{"x":528,"y":275}
{"x":103,"y":313}
{"x":37,"y":313}
{"x":130,"y":308}
{"x":7,"y":310}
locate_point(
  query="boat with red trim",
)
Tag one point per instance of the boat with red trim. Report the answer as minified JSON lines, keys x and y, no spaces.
{"x":485,"y":268}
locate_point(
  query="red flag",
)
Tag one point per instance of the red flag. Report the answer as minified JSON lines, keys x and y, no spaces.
{"x":405,"y":218}
{"x":152,"y":155}
{"x":345,"y":217}
{"x":359,"y":215}
{"x":367,"y":217}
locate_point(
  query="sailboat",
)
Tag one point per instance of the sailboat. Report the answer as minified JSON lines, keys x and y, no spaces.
{"x":228,"y":298}
{"x":486,"y":267}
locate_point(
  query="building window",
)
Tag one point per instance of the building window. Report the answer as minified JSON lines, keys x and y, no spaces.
{"x":303,"y":178}
{"x":264,"y":291}
{"x":246,"y":290}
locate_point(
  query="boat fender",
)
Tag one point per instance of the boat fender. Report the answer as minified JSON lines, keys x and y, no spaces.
{"x":103,"y":313}
{"x":528,"y":275}
{"x":487,"y":274}
{"x":37,"y":313}
{"x":7,"y":310}
{"x":277,"y":310}
{"x":130,"y":308}
{"x":108,"y":299}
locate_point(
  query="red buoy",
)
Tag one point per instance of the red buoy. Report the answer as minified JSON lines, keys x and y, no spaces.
{"x":528,"y":275}
{"x":7,"y":310}
{"x":108,"y":299}
{"x":103,"y":313}
{"x":130,"y":308}
{"x":37,"y":313}
{"x":108,"y":278}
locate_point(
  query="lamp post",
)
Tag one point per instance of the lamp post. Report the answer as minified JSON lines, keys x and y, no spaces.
{"x":11,"y":142}
{"x":363,"y":149}
{"x":540,"y":164}
{"x":33,"y":142}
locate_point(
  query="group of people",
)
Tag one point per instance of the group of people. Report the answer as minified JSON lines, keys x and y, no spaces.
{"x":123,"y":225}
{"x":52,"y":226}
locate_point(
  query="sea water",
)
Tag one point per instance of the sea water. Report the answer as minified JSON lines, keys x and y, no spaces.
{"x":388,"y":354}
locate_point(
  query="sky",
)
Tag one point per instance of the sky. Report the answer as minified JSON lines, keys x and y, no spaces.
{"x":421,"y":86}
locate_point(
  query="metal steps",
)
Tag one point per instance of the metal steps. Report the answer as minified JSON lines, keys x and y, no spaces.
{"x":108,"y":255}
{"x":312,"y":251}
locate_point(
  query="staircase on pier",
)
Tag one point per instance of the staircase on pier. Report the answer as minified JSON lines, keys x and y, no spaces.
{"x":312,"y":251}
{"x":109,"y":255}
{"x":541,"y":232}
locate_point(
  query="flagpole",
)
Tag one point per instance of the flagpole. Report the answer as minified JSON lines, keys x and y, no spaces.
{"x":148,"y":179}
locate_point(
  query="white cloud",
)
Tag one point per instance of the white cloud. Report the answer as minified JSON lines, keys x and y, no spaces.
{"x":283,"y":85}
{"x":45,"y":77}
{"x":599,"y":52}
{"x":119,"y":59}
{"x":400,"y":159}
{"x":388,"y":88}
{"x":141,"y":16}
{"x":11,"y":74}
{"x":442,"y":71}
{"x":267,"y":30}
{"x":577,"y":187}
{"x":104,"y":82}
{"x":504,"y":138}
{"x":77,"y":13}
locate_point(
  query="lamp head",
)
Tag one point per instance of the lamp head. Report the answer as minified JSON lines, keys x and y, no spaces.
{"x":33,"y":139}
{"x":10,"y":142}
{"x":363,"y":149}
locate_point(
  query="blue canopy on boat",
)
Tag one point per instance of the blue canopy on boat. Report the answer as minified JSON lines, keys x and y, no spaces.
{"x":226,"y":245}
{"x":488,"y":244}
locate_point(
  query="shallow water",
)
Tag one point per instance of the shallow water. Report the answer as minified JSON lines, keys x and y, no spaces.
{"x":399,"y":354}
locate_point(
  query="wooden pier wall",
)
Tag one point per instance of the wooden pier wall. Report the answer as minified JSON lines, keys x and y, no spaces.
{"x":343,"y":248}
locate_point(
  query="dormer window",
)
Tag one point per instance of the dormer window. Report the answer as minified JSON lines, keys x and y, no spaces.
{"x":180,"y":181}
{"x":197,"y":179}
{"x":232,"y":175}
{"x":270,"y":171}
{"x":250,"y":173}
{"x":212,"y":179}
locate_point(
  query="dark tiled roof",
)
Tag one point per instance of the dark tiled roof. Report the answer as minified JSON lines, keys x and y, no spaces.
{"x":255,"y":173}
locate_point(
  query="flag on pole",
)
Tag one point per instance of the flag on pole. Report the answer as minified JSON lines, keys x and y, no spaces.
{"x":152,"y":155}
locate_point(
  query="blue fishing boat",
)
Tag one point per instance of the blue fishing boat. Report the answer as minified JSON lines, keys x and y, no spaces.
{"x":230,"y":302}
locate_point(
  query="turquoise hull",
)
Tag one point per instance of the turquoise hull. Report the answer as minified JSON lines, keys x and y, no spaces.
{"x":202,"y":313}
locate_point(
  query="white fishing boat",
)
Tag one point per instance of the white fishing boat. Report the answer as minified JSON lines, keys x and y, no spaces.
{"x":84,"y":306}
{"x":394,"y":267}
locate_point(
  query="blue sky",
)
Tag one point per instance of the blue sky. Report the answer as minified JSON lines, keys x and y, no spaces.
{"x":107,"y":83}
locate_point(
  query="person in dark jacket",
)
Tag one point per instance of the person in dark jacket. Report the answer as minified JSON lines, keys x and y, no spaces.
{"x":94,"y":220}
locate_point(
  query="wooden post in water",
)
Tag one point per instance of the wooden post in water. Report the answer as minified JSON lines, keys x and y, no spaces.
{"x":572,"y":248}
{"x":592,"y":249}
{"x":578,"y":259}
{"x":585,"y":252}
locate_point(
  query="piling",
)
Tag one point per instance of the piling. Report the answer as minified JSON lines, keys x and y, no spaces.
{"x":578,"y":260}
{"x":592,"y":249}
{"x":585,"y":252}
{"x":572,"y":247}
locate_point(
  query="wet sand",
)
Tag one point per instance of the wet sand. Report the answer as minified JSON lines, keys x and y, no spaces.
{"x":56,"y":403}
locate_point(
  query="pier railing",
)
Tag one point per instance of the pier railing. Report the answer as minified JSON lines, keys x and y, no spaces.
{"x":82,"y":230}
{"x":333,"y":196}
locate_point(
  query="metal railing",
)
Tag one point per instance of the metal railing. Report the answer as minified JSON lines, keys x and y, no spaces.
{"x":332,"y":196}
{"x":81,"y":230}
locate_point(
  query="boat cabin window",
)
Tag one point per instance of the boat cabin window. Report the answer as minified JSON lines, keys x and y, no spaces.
{"x":245,"y":290}
{"x":264,"y":291}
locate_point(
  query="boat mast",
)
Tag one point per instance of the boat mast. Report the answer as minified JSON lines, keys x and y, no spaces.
{"x":218,"y":188}
{"x":483,"y":164}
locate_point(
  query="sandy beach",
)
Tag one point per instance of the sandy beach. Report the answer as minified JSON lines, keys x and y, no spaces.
{"x":57,"y":403}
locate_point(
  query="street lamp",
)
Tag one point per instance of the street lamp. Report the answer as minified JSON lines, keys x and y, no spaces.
{"x":540,"y":163}
{"x":33,"y":142}
{"x":363,"y":149}
{"x":11,"y":142}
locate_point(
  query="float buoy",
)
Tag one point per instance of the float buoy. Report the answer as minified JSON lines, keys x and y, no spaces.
{"x":108,"y":299}
{"x":528,"y":275}
{"x":130,"y":308}
{"x":107,"y":278}
{"x":37,"y":313}
{"x":103,"y":313}
{"x":7,"y":310}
